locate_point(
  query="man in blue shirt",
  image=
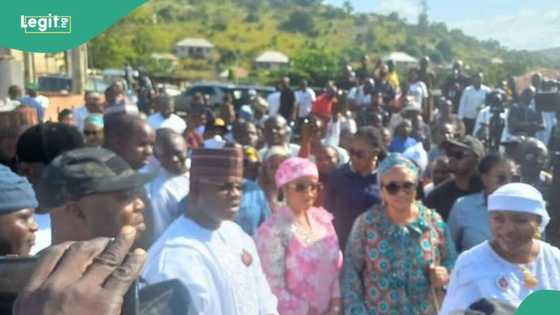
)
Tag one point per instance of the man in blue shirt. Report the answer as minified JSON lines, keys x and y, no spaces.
{"x":352,"y":188}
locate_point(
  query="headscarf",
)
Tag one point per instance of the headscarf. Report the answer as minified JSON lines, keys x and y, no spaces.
{"x":95,"y":119}
{"x":393,"y":160}
{"x":251,"y":154}
{"x":519,"y":197}
{"x":294,"y":168}
{"x":246,"y":113}
{"x":16,"y":192}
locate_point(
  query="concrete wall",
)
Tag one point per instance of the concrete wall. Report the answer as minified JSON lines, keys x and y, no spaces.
{"x":11,"y":72}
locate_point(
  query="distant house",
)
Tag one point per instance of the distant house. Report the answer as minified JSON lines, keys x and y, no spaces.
{"x":194,"y":48}
{"x":401,"y":59}
{"x":165,"y":59}
{"x":271,"y":60}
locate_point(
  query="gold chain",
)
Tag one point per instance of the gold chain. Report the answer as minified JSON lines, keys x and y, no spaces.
{"x":529,"y":279}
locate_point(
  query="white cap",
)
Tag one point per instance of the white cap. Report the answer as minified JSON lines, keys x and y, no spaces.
{"x":519,"y":197}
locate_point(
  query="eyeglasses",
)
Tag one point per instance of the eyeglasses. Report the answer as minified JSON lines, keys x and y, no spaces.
{"x":393,"y":188}
{"x":305,"y":187}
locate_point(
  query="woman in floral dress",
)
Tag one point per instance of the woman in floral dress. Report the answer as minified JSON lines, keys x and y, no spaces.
{"x":399,"y":254}
{"x":298,"y":246}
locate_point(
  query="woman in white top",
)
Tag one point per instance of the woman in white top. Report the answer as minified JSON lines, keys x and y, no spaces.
{"x":515,"y":262}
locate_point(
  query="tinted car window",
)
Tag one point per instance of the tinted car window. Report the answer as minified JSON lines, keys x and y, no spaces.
{"x":204,"y":90}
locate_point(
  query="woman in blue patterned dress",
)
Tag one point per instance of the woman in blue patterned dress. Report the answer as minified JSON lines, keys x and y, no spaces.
{"x":399,"y":254}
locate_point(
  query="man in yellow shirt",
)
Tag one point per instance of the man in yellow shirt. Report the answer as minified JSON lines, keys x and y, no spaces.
{"x":393,"y":76}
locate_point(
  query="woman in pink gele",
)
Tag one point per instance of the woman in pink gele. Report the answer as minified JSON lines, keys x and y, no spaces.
{"x":298,"y":246}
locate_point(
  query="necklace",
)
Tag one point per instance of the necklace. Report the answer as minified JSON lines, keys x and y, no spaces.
{"x":305,"y":234}
{"x":529,"y":279}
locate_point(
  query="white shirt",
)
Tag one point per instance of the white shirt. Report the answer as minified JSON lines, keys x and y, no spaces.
{"x":480,"y":273}
{"x":472,"y":101}
{"x":332,"y":136}
{"x":221,"y":269}
{"x":80,"y":114}
{"x":273,"y":101}
{"x":292,"y":148}
{"x":43,"y":237}
{"x":8,"y":105}
{"x":483,"y":121}
{"x":549,"y":122}
{"x":304,"y":101}
{"x":173,"y":122}
{"x":124,"y":108}
{"x":418,"y":91}
{"x":357,"y":97}
{"x":165,"y":192}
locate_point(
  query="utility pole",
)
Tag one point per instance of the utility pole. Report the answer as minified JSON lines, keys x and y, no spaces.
{"x":78,"y":68}
{"x":29,"y":74}
{"x":423,"y":22}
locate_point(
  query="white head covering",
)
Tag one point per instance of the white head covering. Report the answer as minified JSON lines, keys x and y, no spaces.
{"x":519,"y":197}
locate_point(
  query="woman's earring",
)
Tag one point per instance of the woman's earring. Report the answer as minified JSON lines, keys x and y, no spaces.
{"x":538,"y":234}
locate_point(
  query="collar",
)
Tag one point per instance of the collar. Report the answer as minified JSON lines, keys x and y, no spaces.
{"x":392,"y":230}
{"x":353,"y":171}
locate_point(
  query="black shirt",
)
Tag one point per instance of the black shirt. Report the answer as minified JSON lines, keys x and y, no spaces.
{"x":445,"y":194}
{"x":287,"y":104}
{"x":520,"y":113}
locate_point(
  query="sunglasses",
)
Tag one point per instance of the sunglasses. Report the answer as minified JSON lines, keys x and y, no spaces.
{"x":393,"y":188}
{"x":90,"y":132}
{"x":457,"y":155}
{"x":305,"y":187}
{"x":506,"y":179}
{"x":360,"y":154}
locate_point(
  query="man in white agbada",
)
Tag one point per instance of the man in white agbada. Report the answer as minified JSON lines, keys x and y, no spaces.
{"x":93,"y":105}
{"x":164,"y":117}
{"x":206,"y":251}
{"x":172,"y":182}
{"x":515,"y":263}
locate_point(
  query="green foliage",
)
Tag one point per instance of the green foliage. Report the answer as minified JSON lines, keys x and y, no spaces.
{"x":299,"y":21}
{"x":318,"y":39}
{"x":317,"y":66}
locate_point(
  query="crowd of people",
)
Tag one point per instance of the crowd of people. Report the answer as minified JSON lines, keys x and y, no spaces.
{"x":375,"y":195}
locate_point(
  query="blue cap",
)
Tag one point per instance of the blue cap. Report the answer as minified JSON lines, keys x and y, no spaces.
{"x":16,"y":192}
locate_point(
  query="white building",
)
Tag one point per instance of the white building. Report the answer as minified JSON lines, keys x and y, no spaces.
{"x":271,"y":60}
{"x":401,"y":59}
{"x":194,"y":48}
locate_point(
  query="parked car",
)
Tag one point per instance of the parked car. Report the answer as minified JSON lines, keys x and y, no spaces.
{"x":55,"y":83}
{"x":216,"y":92}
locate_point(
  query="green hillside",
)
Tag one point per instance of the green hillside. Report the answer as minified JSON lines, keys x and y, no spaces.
{"x":318,"y":38}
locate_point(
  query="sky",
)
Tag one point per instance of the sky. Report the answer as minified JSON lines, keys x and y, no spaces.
{"x":516,"y":24}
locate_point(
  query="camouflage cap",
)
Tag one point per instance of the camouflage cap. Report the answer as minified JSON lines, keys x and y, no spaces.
{"x":468,"y":143}
{"x":86,"y":171}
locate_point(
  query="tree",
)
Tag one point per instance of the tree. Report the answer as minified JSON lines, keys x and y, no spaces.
{"x":446,"y":50}
{"x":108,"y":50}
{"x":318,"y":65}
{"x":423,"y":22}
{"x":299,"y":21}
{"x":348,"y":8}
